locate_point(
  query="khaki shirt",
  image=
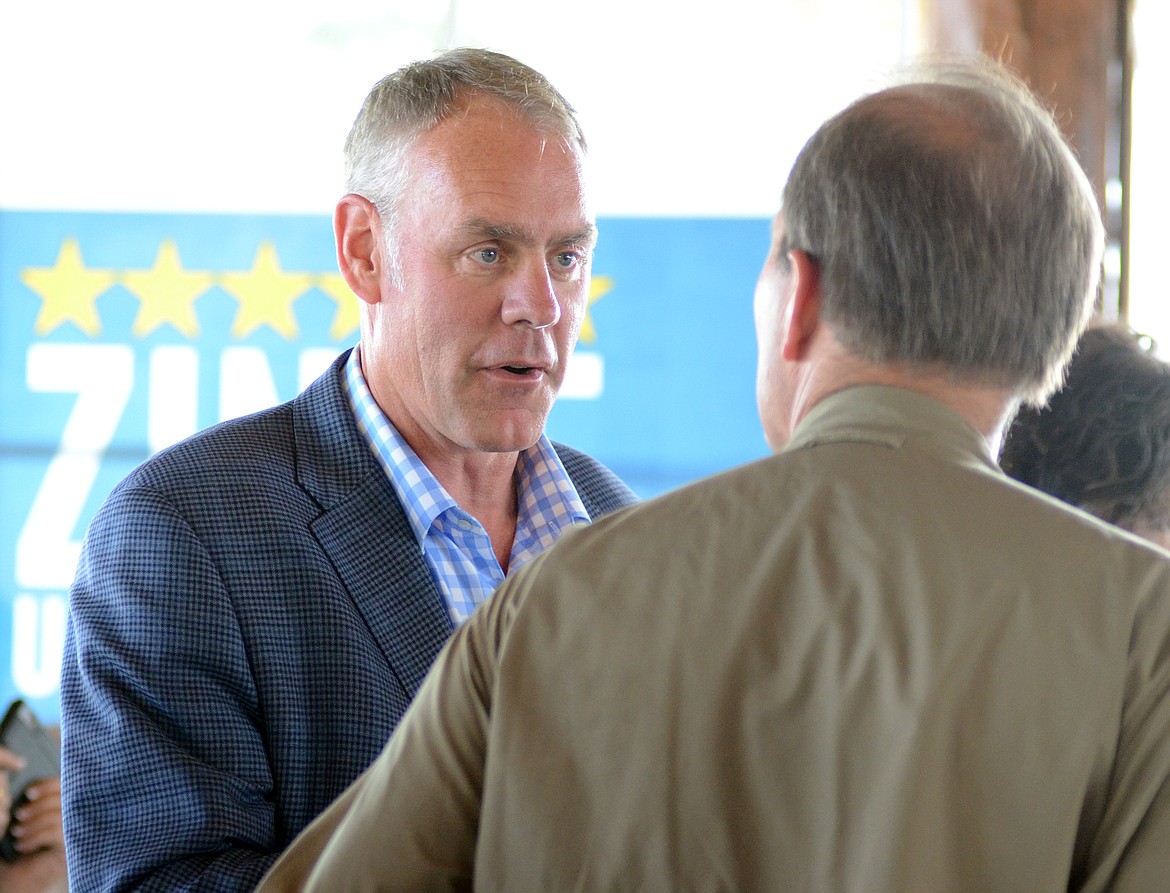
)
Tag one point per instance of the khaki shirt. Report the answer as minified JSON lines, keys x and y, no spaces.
{"x":869,"y":663}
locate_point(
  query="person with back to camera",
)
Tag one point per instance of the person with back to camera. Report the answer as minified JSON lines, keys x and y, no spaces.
{"x":871,"y":662}
{"x":1102,"y":442}
{"x":254,"y":608}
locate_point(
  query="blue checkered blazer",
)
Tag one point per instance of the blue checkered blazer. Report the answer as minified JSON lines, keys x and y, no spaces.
{"x":250,"y":618}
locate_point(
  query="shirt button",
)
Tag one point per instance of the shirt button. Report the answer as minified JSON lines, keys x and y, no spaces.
{"x":464,"y":524}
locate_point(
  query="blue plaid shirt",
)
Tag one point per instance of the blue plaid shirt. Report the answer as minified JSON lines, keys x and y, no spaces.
{"x":455,"y":545}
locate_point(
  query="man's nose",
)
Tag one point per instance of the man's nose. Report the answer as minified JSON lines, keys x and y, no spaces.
{"x":531,"y":298}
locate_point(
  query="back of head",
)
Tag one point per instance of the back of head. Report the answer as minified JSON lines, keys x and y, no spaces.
{"x":953,"y":227}
{"x":1103,"y":441}
{"x":415,"y":98}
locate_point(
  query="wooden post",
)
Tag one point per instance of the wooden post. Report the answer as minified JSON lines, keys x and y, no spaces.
{"x":1074,"y":55}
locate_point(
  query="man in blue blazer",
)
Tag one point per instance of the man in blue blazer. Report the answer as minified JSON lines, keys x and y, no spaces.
{"x":255,"y":607}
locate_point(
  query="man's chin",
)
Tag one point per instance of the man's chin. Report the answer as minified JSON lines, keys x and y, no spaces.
{"x":508,"y":436}
{"x":506,"y":445}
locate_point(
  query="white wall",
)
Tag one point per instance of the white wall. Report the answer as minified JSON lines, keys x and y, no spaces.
{"x":1149,"y":286}
{"x":242,"y":105}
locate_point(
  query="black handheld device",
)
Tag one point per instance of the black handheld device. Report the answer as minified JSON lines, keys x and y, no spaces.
{"x":22,"y":733}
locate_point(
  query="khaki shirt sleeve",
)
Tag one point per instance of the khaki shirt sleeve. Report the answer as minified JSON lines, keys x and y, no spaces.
{"x":410,"y":821}
{"x":1131,"y":849}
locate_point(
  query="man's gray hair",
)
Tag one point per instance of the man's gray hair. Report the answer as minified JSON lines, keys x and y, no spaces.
{"x":410,"y":101}
{"x":953,"y":228}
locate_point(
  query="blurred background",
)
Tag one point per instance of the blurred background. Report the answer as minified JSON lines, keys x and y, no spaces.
{"x":168,"y":172}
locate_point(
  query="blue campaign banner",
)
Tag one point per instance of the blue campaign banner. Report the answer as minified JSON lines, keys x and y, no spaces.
{"x":122,"y":333}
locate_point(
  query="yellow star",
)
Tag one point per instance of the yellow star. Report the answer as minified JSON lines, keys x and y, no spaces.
{"x":346,"y":320}
{"x":265,"y":295}
{"x":68,"y":291}
{"x":599,"y":287}
{"x":166,"y":293}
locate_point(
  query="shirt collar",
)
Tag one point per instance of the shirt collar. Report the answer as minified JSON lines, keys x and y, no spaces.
{"x":547,"y":500}
{"x":893,"y":416}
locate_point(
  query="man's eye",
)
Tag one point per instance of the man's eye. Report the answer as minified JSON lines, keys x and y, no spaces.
{"x":566,"y":260}
{"x":487,"y":255}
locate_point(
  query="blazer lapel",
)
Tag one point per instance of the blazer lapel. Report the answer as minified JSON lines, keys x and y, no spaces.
{"x":373,"y":549}
{"x":365,"y":532}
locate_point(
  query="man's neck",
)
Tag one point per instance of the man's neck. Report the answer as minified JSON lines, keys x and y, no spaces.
{"x":481,"y":482}
{"x":987,"y":409}
{"x":484,"y":485}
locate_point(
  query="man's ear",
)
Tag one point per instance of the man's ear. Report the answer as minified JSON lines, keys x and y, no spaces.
{"x":804,"y":305}
{"x":357,"y":229}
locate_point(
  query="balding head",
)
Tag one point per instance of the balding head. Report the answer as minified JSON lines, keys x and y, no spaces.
{"x":953,"y":229}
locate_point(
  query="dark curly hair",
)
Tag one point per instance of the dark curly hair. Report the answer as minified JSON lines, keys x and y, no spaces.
{"x":1103,"y":441}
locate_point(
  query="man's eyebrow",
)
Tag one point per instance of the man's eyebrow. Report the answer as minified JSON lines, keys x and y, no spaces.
{"x":508,"y":232}
{"x":586,"y":236}
{"x":504,"y":231}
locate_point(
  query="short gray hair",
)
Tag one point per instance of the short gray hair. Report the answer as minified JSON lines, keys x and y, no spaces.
{"x":953,"y":228}
{"x":410,"y":101}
